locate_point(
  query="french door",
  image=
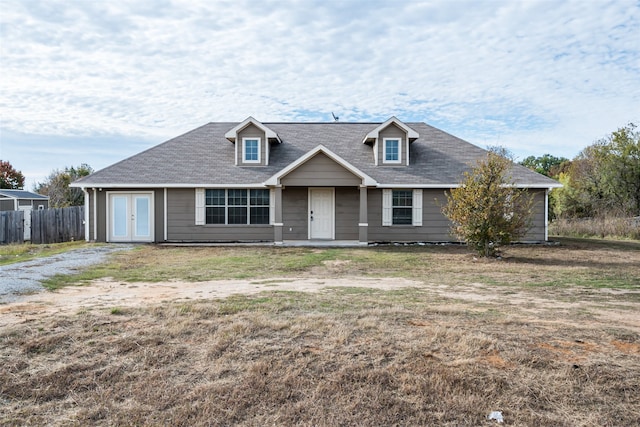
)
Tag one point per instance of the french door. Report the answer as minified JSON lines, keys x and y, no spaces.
{"x":130,"y":217}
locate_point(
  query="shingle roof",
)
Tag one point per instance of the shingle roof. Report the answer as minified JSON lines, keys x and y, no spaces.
{"x":204,"y":156}
{"x":22,"y":194}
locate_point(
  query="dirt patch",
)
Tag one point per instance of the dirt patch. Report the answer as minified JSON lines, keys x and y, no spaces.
{"x":107,"y":293}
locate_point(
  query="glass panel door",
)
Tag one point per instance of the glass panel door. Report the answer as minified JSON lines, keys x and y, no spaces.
{"x":142,"y":217}
{"x":119,"y":217}
{"x":131,"y":217}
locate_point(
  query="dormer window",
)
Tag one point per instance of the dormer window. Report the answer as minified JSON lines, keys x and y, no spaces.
{"x":251,"y":150}
{"x":252,"y":142}
{"x":390,"y":142}
{"x":392,"y":150}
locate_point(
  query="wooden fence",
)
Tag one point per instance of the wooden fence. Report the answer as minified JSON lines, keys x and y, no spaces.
{"x":11,"y":227}
{"x":57,"y":225}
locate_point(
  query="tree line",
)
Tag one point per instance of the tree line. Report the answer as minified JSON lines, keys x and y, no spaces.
{"x":603,"y":180}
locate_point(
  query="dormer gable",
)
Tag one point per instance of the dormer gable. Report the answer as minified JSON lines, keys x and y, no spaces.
{"x":252,"y":141}
{"x":390,"y":142}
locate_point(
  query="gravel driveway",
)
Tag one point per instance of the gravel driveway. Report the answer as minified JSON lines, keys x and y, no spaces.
{"x":24,"y":277}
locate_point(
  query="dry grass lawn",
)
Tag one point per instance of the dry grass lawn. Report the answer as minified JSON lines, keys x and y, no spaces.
{"x":549,"y":336}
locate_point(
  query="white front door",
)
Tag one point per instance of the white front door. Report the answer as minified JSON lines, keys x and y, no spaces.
{"x":321,"y":213}
{"x":130,"y":217}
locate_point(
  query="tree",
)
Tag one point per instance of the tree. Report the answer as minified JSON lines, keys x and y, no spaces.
{"x":619,"y":155}
{"x":547,"y":164}
{"x":487,"y":210}
{"x":603,"y":179}
{"x":551,"y":166}
{"x":56,"y":186}
{"x":10,"y":178}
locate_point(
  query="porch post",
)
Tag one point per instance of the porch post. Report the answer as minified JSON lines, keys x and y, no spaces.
{"x":277,"y":223}
{"x":363,"y":224}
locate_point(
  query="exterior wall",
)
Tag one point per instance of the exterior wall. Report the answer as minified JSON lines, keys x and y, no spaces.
{"x":347,"y":213}
{"x":7,"y":205}
{"x":295,"y":208}
{"x":435,"y":226}
{"x":181,"y":213}
{"x":392,"y":131}
{"x":181,"y":218}
{"x":37,"y":203}
{"x":295,"y":213}
{"x":89,"y":214}
{"x":102,"y":215}
{"x":158,"y":215}
{"x":101,"y":197}
{"x":320,"y":171}
{"x":252,"y":131}
{"x":537,"y":232}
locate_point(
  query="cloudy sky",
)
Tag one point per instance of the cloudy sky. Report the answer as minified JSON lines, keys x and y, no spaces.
{"x":89,"y":81}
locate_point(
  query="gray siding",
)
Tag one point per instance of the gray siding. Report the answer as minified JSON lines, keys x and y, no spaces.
{"x":101,"y":196}
{"x":321,"y":171}
{"x":435,"y":226}
{"x":7,"y":205}
{"x":295,"y":210}
{"x":181,"y":207}
{"x":37,"y":203}
{"x":392,"y":131}
{"x":295,"y":201}
{"x":252,"y":131}
{"x":158,"y":215}
{"x":347,"y":213}
{"x":181,"y":214}
{"x":536,"y":233}
{"x":102,"y":216}
{"x":89,"y":213}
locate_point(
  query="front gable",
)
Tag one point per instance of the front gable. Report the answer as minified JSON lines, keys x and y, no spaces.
{"x":320,"y":170}
{"x":320,"y":167}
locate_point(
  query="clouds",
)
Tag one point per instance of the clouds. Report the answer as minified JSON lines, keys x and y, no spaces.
{"x":537,"y":76}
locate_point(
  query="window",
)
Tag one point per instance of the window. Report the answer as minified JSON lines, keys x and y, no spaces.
{"x":401,"y":207}
{"x":392,"y":150}
{"x":251,"y":150}
{"x":235,"y":206}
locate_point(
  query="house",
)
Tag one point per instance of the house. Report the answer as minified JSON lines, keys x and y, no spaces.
{"x":281,"y":182}
{"x":13,"y":200}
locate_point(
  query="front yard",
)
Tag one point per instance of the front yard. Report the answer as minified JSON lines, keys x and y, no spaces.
{"x":421,"y":335}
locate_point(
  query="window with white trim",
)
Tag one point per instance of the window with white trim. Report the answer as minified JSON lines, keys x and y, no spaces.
{"x":391,"y":150}
{"x":251,"y":150}
{"x":237,"y":206}
{"x":401,"y":207}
